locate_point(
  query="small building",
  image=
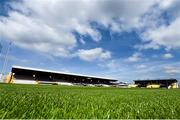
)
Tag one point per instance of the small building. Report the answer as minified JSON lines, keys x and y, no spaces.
{"x":26,"y":75}
{"x":157,"y":83}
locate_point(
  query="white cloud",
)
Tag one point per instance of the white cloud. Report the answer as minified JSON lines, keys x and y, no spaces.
{"x":34,"y":35}
{"x":82,"y":41}
{"x":46,"y":26}
{"x":168,"y":36}
{"x":13,"y":58}
{"x":111,"y":64}
{"x":142,"y":66}
{"x":118,"y":68}
{"x":147,"y":46}
{"x":164,"y":4}
{"x":171,"y":6}
{"x":158,"y":31}
{"x":134,"y":58}
{"x":168,"y":56}
{"x":94,"y":54}
{"x":172,"y":70}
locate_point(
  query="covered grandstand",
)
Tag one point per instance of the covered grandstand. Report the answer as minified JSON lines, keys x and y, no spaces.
{"x":27,"y":75}
{"x":157,"y":83}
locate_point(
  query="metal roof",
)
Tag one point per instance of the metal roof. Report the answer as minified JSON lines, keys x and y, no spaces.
{"x":158,"y":79}
{"x":59,"y":72}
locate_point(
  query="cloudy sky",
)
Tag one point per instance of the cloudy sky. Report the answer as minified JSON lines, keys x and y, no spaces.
{"x":121,"y":39}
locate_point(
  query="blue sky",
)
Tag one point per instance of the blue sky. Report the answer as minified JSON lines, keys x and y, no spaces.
{"x":121,"y":39}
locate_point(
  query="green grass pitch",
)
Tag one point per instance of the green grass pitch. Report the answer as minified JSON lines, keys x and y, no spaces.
{"x":52,"y":102}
